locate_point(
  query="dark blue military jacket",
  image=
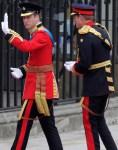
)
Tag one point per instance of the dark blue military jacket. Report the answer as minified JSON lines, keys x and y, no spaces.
{"x":93,"y":50}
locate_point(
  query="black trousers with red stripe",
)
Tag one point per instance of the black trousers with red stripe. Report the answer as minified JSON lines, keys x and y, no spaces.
{"x":95,"y":126}
{"x":47,"y":124}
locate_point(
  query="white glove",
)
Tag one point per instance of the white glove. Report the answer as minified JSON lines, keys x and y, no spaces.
{"x":69,"y":65}
{"x":16,"y":73}
{"x":4,"y":24}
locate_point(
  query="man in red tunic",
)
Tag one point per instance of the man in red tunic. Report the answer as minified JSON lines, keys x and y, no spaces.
{"x":40,"y":85}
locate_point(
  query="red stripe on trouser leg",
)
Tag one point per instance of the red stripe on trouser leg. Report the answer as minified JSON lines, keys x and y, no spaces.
{"x":24,"y":125}
{"x":87,"y":126}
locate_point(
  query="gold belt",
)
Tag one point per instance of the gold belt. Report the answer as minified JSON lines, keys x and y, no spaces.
{"x":39,"y":69}
{"x":100,"y":65}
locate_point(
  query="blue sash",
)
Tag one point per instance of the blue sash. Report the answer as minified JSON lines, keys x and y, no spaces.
{"x":50,"y":35}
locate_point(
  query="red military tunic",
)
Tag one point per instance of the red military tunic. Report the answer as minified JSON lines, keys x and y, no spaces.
{"x":40,"y":54}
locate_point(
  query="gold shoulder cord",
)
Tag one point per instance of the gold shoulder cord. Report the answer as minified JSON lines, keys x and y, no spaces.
{"x":87,"y":29}
{"x":105,"y":30}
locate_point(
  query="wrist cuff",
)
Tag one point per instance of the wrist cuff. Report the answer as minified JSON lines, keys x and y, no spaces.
{"x":23,"y":71}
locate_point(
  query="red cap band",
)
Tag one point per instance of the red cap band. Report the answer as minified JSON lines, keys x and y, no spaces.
{"x":83,"y":12}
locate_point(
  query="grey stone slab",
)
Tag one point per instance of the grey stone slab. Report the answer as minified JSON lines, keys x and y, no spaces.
{"x":73,"y":140}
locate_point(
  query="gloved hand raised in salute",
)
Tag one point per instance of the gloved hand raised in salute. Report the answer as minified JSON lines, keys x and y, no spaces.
{"x":4,"y":24}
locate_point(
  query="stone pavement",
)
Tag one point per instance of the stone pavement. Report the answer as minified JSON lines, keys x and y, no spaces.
{"x":69,"y":123}
{"x":73,"y":140}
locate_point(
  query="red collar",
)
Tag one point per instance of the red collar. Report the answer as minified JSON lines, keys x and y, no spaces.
{"x":90,"y":23}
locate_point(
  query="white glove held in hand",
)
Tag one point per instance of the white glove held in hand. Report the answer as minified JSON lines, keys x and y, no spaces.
{"x":69,"y":65}
{"x":16,"y":73}
{"x":4,"y":24}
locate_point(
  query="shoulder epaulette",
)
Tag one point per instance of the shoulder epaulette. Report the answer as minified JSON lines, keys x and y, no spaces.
{"x":84,"y":30}
{"x":87,"y":29}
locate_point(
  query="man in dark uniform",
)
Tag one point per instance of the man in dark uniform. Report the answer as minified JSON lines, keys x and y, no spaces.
{"x":94,"y":64}
{"x":40,"y":87}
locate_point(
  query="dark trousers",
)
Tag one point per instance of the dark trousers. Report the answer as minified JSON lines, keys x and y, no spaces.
{"x":95,"y":126}
{"x":47,"y":124}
